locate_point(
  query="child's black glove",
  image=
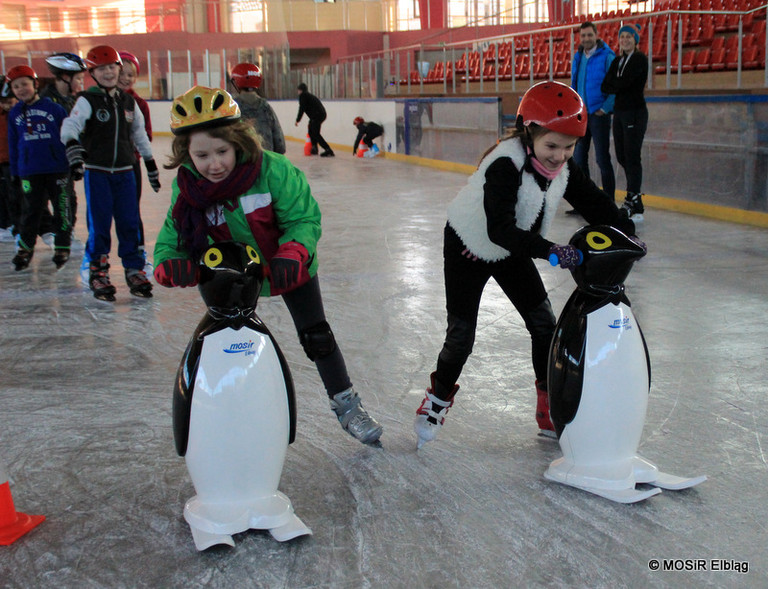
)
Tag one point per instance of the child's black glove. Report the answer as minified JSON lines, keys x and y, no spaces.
{"x":152,"y":174}
{"x":76,"y":159}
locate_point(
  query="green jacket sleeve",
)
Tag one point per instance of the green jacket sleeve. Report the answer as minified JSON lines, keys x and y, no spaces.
{"x":167,"y":245}
{"x":296,"y":210}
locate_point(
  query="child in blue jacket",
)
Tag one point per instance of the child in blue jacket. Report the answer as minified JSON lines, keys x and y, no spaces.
{"x":38,"y":159}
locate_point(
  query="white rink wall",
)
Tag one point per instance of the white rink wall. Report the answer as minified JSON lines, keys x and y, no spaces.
{"x":337,"y":128}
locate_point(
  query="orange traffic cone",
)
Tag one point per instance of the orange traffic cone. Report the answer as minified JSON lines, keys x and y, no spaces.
{"x":308,"y":146}
{"x":362,"y":149}
{"x":13,"y":525}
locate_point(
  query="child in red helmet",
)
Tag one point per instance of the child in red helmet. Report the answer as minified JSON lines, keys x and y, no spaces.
{"x":497,"y":226}
{"x":102,"y":133}
{"x":367,"y":132}
{"x":246,"y":79}
{"x":128,"y":75}
{"x":39,"y":162}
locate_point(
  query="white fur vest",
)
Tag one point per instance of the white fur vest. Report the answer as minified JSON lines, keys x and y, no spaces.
{"x":466,"y":213}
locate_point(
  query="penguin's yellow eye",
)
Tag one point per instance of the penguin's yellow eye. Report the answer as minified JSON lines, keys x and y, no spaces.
{"x":253,"y":254}
{"x":598,"y":241}
{"x":213,"y":257}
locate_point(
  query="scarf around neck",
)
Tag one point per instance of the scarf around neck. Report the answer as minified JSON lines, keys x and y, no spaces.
{"x":197,"y":195}
{"x":540,"y":168}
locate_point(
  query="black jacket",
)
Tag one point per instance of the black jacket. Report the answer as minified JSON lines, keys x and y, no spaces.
{"x":628,"y":82}
{"x":310,"y":104}
{"x":369,"y":130}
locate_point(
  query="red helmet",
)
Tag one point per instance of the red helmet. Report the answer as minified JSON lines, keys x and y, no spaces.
{"x":102,"y":55}
{"x":554,"y":106}
{"x":246,"y":75}
{"x":130,"y":57}
{"x":358,"y":120}
{"x":20,"y":71}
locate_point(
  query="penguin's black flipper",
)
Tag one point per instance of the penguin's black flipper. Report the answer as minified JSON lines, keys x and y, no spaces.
{"x":183,"y":386}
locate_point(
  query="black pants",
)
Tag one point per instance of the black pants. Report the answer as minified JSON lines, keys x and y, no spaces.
{"x":36,"y":191}
{"x":370,"y":136}
{"x":314,"y":135}
{"x":629,"y":128}
{"x":10,"y":201}
{"x":305,"y":304}
{"x":464,"y":283}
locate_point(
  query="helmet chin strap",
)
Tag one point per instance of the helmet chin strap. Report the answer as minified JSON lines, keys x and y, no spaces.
{"x":67,"y":82}
{"x":99,"y":84}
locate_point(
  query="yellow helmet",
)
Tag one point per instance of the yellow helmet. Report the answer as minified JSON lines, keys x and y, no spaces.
{"x":202,"y":107}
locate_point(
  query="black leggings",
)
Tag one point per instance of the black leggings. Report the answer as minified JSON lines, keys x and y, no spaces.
{"x":464,"y":283}
{"x":314,"y":134}
{"x":305,"y":304}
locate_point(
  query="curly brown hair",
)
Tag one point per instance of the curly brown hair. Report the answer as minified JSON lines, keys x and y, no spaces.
{"x":241,"y":134}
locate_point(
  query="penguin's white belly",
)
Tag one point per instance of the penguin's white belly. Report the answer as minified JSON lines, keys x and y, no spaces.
{"x":608,"y":424}
{"x":239,"y":420}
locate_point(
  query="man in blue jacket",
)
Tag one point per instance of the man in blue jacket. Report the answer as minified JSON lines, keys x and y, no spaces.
{"x":590,"y":64}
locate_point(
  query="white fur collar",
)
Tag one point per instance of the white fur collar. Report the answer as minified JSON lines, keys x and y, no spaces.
{"x":466,"y":213}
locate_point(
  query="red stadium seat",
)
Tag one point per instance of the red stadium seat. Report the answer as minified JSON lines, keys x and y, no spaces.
{"x":750,"y":60}
{"x":717,"y":60}
{"x":701,"y":63}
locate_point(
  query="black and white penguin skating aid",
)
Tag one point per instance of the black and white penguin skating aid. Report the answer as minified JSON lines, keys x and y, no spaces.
{"x":599,"y":377}
{"x":234,"y":411}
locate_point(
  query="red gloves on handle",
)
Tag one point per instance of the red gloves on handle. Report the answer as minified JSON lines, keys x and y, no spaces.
{"x":288,"y":269}
{"x":176,"y":272}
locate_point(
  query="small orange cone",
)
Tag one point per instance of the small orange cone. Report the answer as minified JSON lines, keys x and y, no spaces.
{"x":13,"y":525}
{"x":308,"y":146}
{"x":361,"y":150}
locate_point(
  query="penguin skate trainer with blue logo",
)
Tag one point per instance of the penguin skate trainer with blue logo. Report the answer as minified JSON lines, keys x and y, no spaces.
{"x":234,"y":410}
{"x":599,"y":377}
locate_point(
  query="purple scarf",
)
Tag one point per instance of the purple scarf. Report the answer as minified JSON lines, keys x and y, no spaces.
{"x":197,"y":195}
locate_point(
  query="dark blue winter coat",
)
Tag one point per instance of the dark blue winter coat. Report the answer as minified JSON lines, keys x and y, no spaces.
{"x":34,"y":142}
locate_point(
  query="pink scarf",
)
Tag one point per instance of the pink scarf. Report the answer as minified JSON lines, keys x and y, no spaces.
{"x":543,"y":170}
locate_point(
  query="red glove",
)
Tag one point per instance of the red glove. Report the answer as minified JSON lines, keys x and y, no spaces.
{"x":288,"y":269}
{"x":176,"y":272}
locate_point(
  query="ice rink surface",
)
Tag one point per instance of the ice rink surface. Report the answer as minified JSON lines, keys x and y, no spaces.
{"x":86,"y":435}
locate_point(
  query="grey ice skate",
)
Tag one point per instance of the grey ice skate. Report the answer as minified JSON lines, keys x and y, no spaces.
{"x":354,"y":419}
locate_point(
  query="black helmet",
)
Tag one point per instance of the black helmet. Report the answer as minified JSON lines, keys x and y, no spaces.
{"x":65,"y":63}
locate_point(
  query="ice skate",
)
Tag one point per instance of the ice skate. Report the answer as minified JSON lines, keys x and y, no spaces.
{"x":60,"y":257}
{"x":6,"y":234}
{"x":22,"y":259}
{"x":354,"y":419}
{"x":546,"y":428}
{"x":138,"y":282}
{"x":48,"y":239}
{"x":149,"y":268}
{"x":98,"y":280}
{"x":633,"y":205}
{"x":430,"y":415}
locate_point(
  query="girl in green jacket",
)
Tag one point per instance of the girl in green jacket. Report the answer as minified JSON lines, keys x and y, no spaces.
{"x":228,"y":188}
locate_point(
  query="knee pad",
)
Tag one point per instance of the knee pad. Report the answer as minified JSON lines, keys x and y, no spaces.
{"x":459,"y":340}
{"x":318,"y":341}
